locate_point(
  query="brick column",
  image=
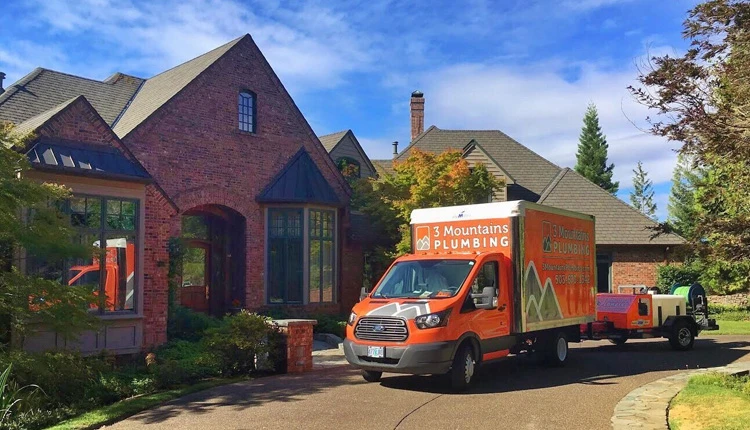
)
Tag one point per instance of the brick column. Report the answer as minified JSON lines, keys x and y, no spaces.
{"x":299,"y":344}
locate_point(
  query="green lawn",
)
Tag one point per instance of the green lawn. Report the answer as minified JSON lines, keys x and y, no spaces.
{"x":712,"y":402}
{"x":730,"y":327}
{"x":128,"y":407}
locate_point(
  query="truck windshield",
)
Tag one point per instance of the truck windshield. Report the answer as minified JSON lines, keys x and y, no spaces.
{"x":422,"y":279}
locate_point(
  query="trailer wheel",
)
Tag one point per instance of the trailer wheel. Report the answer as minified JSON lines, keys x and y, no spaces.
{"x":619,"y":341}
{"x":681,"y":338}
{"x":556,"y":352}
{"x":462,"y":371}
{"x":371,"y":375}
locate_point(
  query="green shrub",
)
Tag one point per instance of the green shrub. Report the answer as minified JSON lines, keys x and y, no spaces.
{"x":681,"y":274}
{"x":187,"y":324}
{"x":181,"y":362}
{"x":728,"y":312}
{"x":333,"y":324}
{"x":239,"y":340}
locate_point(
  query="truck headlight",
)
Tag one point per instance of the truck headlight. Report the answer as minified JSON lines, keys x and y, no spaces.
{"x":352,"y":318}
{"x":437,"y":319}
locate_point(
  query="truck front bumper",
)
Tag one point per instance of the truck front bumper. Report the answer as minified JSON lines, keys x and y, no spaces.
{"x":418,"y":359}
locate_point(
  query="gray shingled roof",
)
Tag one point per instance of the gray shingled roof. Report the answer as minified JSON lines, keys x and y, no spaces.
{"x":158,"y":90}
{"x":43,"y":90}
{"x":33,"y":123}
{"x":383,"y":166}
{"x":329,"y":141}
{"x":531,"y":172}
{"x":617,"y":223}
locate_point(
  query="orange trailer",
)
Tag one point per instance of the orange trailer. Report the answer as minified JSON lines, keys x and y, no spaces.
{"x":484,"y":281}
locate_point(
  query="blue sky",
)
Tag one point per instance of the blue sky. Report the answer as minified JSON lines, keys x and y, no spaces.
{"x":528,"y":68}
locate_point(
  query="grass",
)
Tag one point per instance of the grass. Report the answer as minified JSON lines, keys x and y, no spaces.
{"x":128,"y":407}
{"x":712,"y":402}
{"x":730,"y":327}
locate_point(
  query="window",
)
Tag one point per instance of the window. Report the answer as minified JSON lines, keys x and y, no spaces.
{"x":110,"y":227}
{"x":427,"y":279}
{"x":349,"y":167}
{"x":285,"y":255}
{"x":246,"y":109}
{"x":321,"y":229}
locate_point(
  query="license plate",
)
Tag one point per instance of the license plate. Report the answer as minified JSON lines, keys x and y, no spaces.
{"x":376,"y":351}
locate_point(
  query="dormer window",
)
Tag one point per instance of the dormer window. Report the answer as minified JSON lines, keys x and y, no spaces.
{"x":246,"y":109}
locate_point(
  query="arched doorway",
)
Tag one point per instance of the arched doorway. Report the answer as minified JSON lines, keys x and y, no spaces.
{"x":213,"y":269}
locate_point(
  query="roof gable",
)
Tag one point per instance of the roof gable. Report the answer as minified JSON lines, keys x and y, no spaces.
{"x":617,"y":223}
{"x":474,"y":146}
{"x":530,"y":171}
{"x":330,"y":141}
{"x":43,"y":89}
{"x":300,"y":181}
{"x":160,"y":89}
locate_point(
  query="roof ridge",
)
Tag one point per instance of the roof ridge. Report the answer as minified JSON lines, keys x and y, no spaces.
{"x":620,"y":201}
{"x":336,"y":132}
{"x":127,"y":105}
{"x":233,"y":41}
{"x":553,"y":184}
{"x":417,"y":139}
{"x":13,"y":88}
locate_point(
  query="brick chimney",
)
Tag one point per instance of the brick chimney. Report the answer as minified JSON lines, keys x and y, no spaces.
{"x":417,"y":114}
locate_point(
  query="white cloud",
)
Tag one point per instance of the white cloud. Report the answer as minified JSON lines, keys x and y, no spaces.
{"x":542,"y":110}
{"x":310,"y":47}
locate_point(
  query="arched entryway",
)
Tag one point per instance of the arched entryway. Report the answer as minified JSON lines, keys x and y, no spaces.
{"x":213,"y":269}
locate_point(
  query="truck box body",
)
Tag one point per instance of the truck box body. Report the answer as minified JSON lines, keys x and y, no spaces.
{"x":550,"y":255}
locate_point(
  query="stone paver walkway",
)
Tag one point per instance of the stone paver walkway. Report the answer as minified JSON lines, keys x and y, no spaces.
{"x":647,"y":407}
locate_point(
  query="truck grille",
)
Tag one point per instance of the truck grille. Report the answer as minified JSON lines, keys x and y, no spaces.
{"x":381,"y":329}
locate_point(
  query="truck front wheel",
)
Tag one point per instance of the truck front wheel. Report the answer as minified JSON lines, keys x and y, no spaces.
{"x":682,"y":337}
{"x":556,"y":352}
{"x":371,"y":376}
{"x":462,"y":371}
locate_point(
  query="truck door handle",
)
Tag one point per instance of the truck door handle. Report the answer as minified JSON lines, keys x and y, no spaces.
{"x":502,"y":307}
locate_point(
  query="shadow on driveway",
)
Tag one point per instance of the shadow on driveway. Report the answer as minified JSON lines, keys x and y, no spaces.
{"x":243,"y":395}
{"x":590,"y":363}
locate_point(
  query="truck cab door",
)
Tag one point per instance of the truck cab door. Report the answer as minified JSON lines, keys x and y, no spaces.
{"x":492,"y":325}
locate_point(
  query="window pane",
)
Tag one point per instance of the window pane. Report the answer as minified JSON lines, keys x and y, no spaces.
{"x":93,"y":212}
{"x":327,"y":269}
{"x":276,"y":275}
{"x":194,"y":267}
{"x":315,"y":280}
{"x":294,"y":270}
{"x":78,"y":212}
{"x":194,"y":227}
{"x":87,"y":271}
{"x":120,"y":277}
{"x":285,"y":256}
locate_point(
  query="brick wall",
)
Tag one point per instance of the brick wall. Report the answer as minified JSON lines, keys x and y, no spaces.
{"x":192,"y":146}
{"x":159,"y":214}
{"x":635,"y":265}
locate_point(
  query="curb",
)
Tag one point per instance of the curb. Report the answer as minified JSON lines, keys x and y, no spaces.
{"x":647,"y":407}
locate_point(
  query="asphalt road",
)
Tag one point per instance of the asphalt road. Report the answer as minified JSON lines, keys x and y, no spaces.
{"x":512,"y":394}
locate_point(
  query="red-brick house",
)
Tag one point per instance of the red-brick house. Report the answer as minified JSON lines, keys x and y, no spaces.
{"x":626,"y":252}
{"x":214,"y":151}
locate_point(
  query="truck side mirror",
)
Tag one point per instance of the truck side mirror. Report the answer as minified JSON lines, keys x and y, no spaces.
{"x":486,"y":298}
{"x":362,"y":294}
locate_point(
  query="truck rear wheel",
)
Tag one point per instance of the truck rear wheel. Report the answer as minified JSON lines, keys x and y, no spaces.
{"x":618,"y":341}
{"x":371,"y":375}
{"x":462,"y":371}
{"x":681,"y":338}
{"x":556,"y":351}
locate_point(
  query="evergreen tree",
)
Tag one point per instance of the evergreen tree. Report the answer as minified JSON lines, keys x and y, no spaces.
{"x":591,"y":159}
{"x":682,"y":213}
{"x":642,"y":196}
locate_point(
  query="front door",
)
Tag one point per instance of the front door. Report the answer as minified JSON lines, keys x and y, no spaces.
{"x":196,"y":269}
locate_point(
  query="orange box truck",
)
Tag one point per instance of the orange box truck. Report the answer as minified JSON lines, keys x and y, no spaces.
{"x":484,"y":281}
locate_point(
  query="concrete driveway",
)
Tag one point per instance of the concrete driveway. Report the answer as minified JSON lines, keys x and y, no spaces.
{"x":513,"y":394}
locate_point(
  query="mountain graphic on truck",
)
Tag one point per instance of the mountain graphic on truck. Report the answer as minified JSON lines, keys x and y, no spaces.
{"x":541,"y":301}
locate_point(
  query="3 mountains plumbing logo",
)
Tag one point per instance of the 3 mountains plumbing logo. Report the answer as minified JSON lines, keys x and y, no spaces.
{"x":546,"y":236}
{"x":423,"y":238}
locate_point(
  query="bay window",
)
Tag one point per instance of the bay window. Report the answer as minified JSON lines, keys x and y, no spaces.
{"x":301,"y":241}
{"x":110,"y":227}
